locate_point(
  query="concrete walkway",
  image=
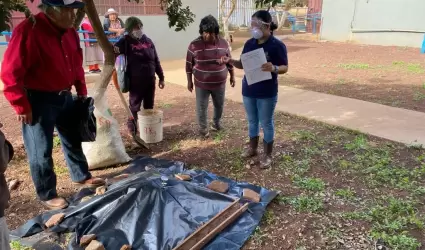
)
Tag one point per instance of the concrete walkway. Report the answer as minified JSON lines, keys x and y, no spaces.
{"x":394,"y":124}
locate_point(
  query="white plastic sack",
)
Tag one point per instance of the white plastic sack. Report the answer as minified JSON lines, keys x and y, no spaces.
{"x":108,"y":149}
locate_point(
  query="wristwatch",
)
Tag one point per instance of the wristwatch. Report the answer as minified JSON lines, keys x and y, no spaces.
{"x":276,"y":69}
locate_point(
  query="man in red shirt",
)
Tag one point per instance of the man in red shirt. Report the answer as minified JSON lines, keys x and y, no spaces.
{"x":41,"y":64}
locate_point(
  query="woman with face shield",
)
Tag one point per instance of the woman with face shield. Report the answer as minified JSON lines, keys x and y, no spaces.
{"x":260,"y":98}
{"x":142,"y":65}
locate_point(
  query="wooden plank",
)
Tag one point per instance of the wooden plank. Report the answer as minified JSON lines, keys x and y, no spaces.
{"x":221,"y":227}
{"x":207,"y":231}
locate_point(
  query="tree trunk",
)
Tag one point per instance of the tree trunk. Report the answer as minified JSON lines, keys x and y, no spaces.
{"x":107,"y":48}
{"x":222,"y":5}
{"x":79,"y":18}
{"x":225,"y":19}
{"x":282,"y":19}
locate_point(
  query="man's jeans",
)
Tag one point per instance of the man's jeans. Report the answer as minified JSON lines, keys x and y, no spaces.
{"x":202,"y":99}
{"x":50,"y":110}
{"x":4,"y":235}
{"x":260,"y":111}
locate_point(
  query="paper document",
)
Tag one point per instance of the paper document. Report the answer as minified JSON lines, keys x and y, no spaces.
{"x":252,"y":62}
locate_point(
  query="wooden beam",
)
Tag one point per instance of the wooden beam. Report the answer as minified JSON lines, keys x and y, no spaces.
{"x":209,"y":230}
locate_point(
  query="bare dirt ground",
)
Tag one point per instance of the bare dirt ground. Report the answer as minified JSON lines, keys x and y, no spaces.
{"x":388,"y":75}
{"x":339,"y":189}
{"x":391,"y":76}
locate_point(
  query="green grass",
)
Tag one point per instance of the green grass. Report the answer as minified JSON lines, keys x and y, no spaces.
{"x":375,"y":167}
{"x":304,"y":135}
{"x":231,"y":159}
{"x":269,"y":217}
{"x":219,"y":136}
{"x":15,"y":245}
{"x":312,"y":150}
{"x":341,"y":81}
{"x":175,"y":147}
{"x":391,"y":220}
{"x":414,"y":68}
{"x":345,"y":193}
{"x":56,"y":141}
{"x":350,"y":66}
{"x":165,"y":105}
{"x":418,"y":96}
{"x":294,"y":167}
{"x":399,"y":63}
{"x":333,"y":233}
{"x":304,"y":203}
{"x":360,"y":142}
{"x":259,"y":237}
{"x":379,"y":169}
{"x":60,"y":170}
{"x":309,"y":184}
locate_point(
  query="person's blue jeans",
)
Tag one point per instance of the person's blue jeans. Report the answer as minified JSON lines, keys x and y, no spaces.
{"x":260,"y":111}
{"x":51,"y":110}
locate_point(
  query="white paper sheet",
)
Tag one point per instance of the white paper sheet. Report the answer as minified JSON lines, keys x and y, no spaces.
{"x":252,"y":62}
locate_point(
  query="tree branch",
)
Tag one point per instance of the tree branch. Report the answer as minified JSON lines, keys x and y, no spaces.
{"x":106,"y":46}
{"x":79,"y":18}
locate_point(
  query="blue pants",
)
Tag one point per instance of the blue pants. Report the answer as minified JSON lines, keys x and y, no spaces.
{"x":260,"y":111}
{"x":52,"y":110}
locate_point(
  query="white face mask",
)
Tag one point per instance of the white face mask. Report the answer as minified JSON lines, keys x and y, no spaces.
{"x":137,"y":34}
{"x":256,"y":33}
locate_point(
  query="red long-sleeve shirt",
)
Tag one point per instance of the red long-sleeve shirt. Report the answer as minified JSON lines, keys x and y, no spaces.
{"x":41,"y":57}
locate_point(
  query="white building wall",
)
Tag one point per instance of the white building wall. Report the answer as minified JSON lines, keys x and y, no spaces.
{"x":379,"y":22}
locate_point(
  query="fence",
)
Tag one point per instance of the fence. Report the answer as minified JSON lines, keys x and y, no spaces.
{"x":307,"y":23}
{"x":241,"y":16}
{"x":127,"y":8}
{"x":301,"y":18}
{"x":124,"y":7}
{"x":5,"y":33}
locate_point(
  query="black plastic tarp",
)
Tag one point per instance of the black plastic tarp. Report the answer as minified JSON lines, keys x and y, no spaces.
{"x":153,"y":210}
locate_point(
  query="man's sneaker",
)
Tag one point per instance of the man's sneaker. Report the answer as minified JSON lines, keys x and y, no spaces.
{"x":204,"y":133}
{"x":216,"y":127}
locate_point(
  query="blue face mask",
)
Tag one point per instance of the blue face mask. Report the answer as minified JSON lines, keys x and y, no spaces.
{"x":256,"y":33}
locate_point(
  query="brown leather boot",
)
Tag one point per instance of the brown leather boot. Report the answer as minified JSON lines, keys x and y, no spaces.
{"x":267,"y":158}
{"x":251,"y":151}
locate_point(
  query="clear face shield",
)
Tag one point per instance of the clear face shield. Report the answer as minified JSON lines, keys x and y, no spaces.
{"x":258,"y":27}
{"x":256,"y":23}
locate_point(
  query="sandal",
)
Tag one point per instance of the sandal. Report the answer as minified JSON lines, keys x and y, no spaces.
{"x":91,"y":183}
{"x":55,"y":203}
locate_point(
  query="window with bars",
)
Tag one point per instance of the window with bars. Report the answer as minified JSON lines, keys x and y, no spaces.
{"x":126,"y":8}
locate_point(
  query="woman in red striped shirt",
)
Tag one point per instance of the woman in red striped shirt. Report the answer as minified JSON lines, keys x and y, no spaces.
{"x":209,"y":76}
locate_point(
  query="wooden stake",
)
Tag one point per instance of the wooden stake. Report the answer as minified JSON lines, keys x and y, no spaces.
{"x":209,"y":230}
